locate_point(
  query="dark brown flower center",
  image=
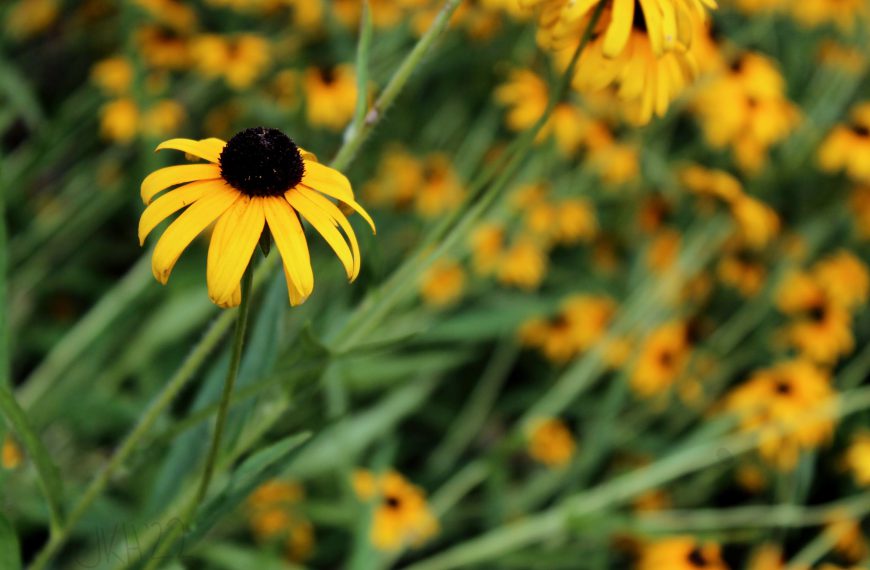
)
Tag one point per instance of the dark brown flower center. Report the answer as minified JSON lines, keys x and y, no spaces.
{"x":262,"y":162}
{"x":696,"y":558}
{"x":861,"y":131}
{"x":392,"y":501}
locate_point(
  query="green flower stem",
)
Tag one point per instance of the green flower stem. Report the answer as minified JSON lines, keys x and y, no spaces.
{"x":222,"y":324}
{"x":395,"y":85}
{"x":214,"y":449}
{"x":5,"y":361}
{"x":556,"y":521}
{"x":49,"y":477}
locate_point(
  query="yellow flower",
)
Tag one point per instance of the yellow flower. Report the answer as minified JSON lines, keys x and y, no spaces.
{"x":172,"y":13}
{"x":402,"y":517}
{"x":443,"y":284}
{"x":113,"y":75}
{"x":385,"y":13}
{"x":258,"y":181}
{"x":239,"y":60}
{"x":848,"y":14}
{"x":272,"y":516}
{"x":740,"y":268}
{"x":525,"y":95}
{"x":681,"y":553}
{"x":777,"y":404}
{"x":119,"y":120}
{"x":163,"y":118}
{"x":844,"y":278}
{"x":616,"y":162}
{"x":745,"y":108}
{"x":664,"y":250}
{"x":440,"y":189}
{"x":859,"y":203}
{"x":857,"y":458}
{"x":551,"y":442}
{"x":30,"y":17}
{"x":487,"y":245}
{"x":842,"y":57}
{"x":715,"y":183}
{"x":523,"y":265}
{"x":331,"y":94}
{"x":11,"y":456}
{"x":163,"y":49}
{"x":758,"y":223}
{"x":663,"y":358}
{"x":847,"y":147}
{"x":767,"y":557}
{"x":847,"y":535}
{"x":579,"y":325}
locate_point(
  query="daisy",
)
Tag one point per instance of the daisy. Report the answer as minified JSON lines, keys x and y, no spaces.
{"x":258,"y":181}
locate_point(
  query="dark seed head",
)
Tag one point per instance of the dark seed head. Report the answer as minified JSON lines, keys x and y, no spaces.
{"x":262,"y":162}
{"x":696,"y":558}
{"x":783,"y":387}
{"x":391,"y":501}
{"x":861,"y":131}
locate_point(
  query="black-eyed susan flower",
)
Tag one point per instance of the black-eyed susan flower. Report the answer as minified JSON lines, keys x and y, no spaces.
{"x":848,"y":14}
{"x":550,"y":442}
{"x":487,"y":244}
{"x":239,"y":60}
{"x":846,"y":534}
{"x":582,"y":322}
{"x":402,"y":517}
{"x":847,"y":147}
{"x":274,"y":516}
{"x":258,"y":181}
{"x":782,"y":405}
{"x":443,"y":283}
{"x":30,"y":17}
{"x":681,"y":553}
{"x":767,"y":557}
{"x":523,"y":264}
{"x":330,"y":95}
{"x":663,"y":358}
{"x":114,"y":75}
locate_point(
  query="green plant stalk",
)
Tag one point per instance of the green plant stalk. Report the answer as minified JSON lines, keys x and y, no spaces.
{"x":395,"y":85}
{"x":49,"y":477}
{"x":220,"y":326}
{"x":189,"y":514}
{"x":557,"y":520}
{"x":362,"y":68}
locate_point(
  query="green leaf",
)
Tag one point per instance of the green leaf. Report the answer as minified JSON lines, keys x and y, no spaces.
{"x":10,"y":554}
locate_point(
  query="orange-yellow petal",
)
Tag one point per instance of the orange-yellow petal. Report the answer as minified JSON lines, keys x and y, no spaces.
{"x":616,"y":37}
{"x":235,"y":237}
{"x":189,"y":224}
{"x":290,"y":241}
{"x":171,"y":202}
{"x":160,"y":180}
{"x":325,"y":226}
{"x":190,"y":146}
{"x":337,"y":217}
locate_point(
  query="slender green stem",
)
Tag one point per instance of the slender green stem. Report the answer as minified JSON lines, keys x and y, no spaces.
{"x":395,"y":85}
{"x":5,"y":363}
{"x":49,"y":477}
{"x":189,"y":514}
{"x":362,"y":68}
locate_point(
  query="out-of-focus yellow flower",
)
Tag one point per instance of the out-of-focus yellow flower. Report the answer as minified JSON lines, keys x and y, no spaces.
{"x":859,"y":203}
{"x":385,"y":13}
{"x":239,"y":60}
{"x":664,"y":356}
{"x":767,"y":557}
{"x":443,"y":284}
{"x":163,"y":118}
{"x":550,"y":442}
{"x":681,"y":553}
{"x":758,"y":223}
{"x":273,"y":515}
{"x":402,"y":517}
{"x":113,"y":75}
{"x":651,"y":501}
{"x":848,"y":14}
{"x":330,"y":95}
{"x":741,"y":268}
{"x":172,"y":13}
{"x":487,"y":245}
{"x":745,"y":109}
{"x":847,"y":147}
{"x":842,"y":57}
{"x":119,"y":120}
{"x":163,"y":49}
{"x":525,"y":95}
{"x":582,"y":321}
{"x":844,"y":277}
{"x":857,"y":458}
{"x":440,"y":190}
{"x":30,"y":17}
{"x":523,"y":264}
{"x":616,"y":162}
{"x":664,"y":250}
{"x":11,"y":456}
{"x":715,"y":183}
{"x":847,"y":536}
{"x":778,"y":405}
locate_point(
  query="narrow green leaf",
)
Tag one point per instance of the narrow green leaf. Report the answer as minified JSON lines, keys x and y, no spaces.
{"x":10,"y":554}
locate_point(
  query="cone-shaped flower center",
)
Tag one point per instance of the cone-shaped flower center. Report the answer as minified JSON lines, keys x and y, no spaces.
{"x":262,"y":162}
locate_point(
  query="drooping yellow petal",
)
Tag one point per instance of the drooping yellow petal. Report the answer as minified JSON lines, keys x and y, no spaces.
{"x":160,"y":180}
{"x":573,"y":11}
{"x":337,"y":217}
{"x":335,"y":185}
{"x":171,"y":202}
{"x":190,"y":146}
{"x":214,"y":146}
{"x":353,"y":205}
{"x":619,"y":29}
{"x":235,"y":237}
{"x":290,"y":241}
{"x":325,"y":226}
{"x":189,"y":224}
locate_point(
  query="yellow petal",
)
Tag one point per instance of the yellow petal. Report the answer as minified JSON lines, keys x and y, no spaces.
{"x":337,"y":217}
{"x":189,"y":224}
{"x":171,"y":202}
{"x":290,"y":241}
{"x":327,"y":180}
{"x":619,"y":29}
{"x":235,"y":237}
{"x":325,"y":226}
{"x":160,"y":180}
{"x":190,"y":146}
{"x":215,"y":146}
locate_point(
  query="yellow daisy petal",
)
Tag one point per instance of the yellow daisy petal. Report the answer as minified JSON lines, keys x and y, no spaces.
{"x":327,"y":180}
{"x":190,"y":146}
{"x":235,"y":237}
{"x":160,"y":180}
{"x":290,"y":241}
{"x":189,"y":224}
{"x":619,"y":29}
{"x":325,"y":226}
{"x":171,"y":202}
{"x":337,"y":217}
{"x":214,"y":146}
